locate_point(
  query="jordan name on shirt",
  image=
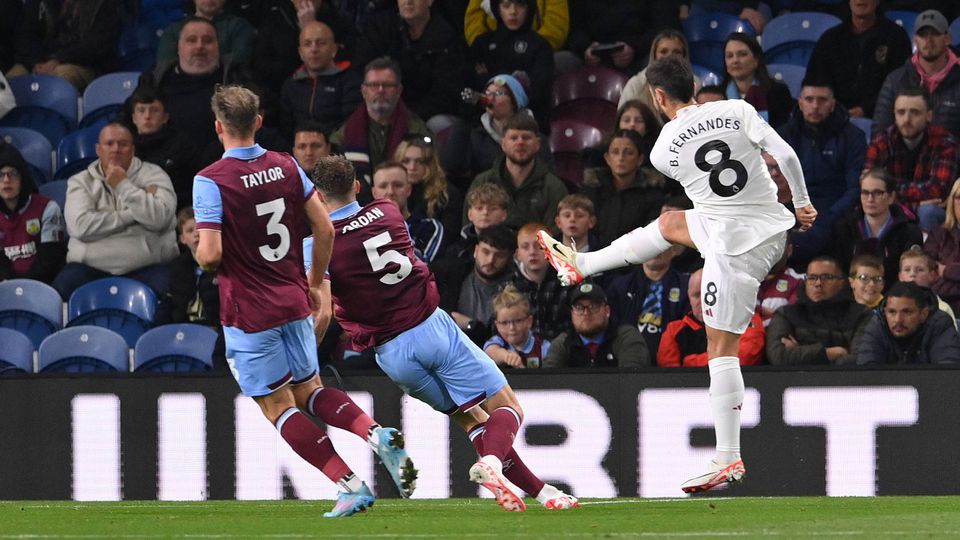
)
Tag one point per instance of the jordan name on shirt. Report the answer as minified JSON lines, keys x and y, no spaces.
{"x":362,"y":221}
{"x":262,"y":177}
{"x":701,"y":127}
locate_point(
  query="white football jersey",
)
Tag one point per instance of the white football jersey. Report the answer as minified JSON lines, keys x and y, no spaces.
{"x":713,"y":150}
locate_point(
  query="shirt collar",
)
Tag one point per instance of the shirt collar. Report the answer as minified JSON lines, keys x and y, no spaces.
{"x":345,"y":211}
{"x":245,"y":152}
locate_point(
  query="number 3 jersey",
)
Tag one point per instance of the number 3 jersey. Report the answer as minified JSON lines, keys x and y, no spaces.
{"x":713,"y":150}
{"x":255,"y":198}
{"x":380,"y":287}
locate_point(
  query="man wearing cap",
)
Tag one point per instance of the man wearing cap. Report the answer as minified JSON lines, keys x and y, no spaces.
{"x":592,"y":340}
{"x":934,"y":66}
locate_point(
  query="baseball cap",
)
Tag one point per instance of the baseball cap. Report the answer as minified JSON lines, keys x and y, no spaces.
{"x":933,"y":19}
{"x":591,"y":291}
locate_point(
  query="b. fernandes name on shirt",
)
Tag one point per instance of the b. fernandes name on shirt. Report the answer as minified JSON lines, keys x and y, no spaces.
{"x":363,"y":220}
{"x":262,"y":177}
{"x":704,"y":125}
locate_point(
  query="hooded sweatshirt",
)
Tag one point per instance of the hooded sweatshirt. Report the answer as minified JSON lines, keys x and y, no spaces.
{"x":31,"y":233}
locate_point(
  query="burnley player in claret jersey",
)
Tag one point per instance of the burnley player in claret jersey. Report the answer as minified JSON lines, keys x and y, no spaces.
{"x":251,"y":208}
{"x":385,"y":297}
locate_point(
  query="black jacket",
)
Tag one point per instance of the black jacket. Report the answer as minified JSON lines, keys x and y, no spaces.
{"x":327,"y":99}
{"x":619,"y":212}
{"x":87,"y":37}
{"x":935,"y":342}
{"x":946,"y":98}
{"x":848,"y":241}
{"x":856,"y":65}
{"x":175,"y":155}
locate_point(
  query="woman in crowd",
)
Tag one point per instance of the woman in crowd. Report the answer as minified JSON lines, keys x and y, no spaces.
{"x":747,"y":78}
{"x":634,"y":115}
{"x":943,"y":245}
{"x":431,"y":195}
{"x":667,"y":43}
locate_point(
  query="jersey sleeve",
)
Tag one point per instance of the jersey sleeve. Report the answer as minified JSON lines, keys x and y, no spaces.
{"x":207,"y":204}
{"x":308,"y":257}
{"x":307,"y":183}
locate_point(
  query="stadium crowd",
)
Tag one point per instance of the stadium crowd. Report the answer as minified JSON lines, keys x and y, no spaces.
{"x":446,"y":107}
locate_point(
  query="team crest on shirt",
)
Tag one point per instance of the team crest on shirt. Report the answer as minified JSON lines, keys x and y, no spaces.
{"x":520,"y":47}
{"x":880,"y":55}
{"x":33,"y":227}
{"x":782,"y":285}
{"x":674,"y":295}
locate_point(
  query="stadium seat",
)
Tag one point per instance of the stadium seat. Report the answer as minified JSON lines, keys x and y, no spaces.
{"x":903,"y":18}
{"x":104,"y":96}
{"x":76,"y":151}
{"x":865,"y":125}
{"x":568,"y":138}
{"x":790,"y":75}
{"x":706,"y":33}
{"x":955,"y":32}
{"x":707,"y":76}
{"x":791,"y":38}
{"x":590,"y":94}
{"x":137,"y":48}
{"x":56,"y":191}
{"x":123,"y":305}
{"x":175,"y":348}
{"x":34,"y":147}
{"x":30,"y":307}
{"x":160,"y":13}
{"x":45,"y":103}
{"x":16,"y":354}
{"x":84,"y":349}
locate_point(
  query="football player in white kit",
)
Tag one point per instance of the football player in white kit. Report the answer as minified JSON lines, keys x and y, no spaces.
{"x":736,"y":223}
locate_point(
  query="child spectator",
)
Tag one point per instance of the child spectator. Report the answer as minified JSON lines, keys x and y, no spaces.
{"x":866,"y":280}
{"x":514,"y":344}
{"x":916,"y":266}
{"x":486,"y":206}
{"x":575,"y":219}
{"x":537,"y":280}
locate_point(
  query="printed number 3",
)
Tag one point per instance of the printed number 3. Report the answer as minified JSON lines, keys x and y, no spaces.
{"x":379,"y":261}
{"x":715,"y":169}
{"x":275,"y":208}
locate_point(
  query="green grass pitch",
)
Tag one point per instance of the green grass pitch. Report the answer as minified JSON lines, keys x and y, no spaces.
{"x":786,"y":517}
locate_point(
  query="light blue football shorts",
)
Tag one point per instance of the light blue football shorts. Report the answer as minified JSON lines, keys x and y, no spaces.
{"x":437,"y":363}
{"x":262,"y":362}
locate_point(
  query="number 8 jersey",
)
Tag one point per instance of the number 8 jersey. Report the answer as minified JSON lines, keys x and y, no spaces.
{"x":380,"y":287}
{"x":255,"y":198}
{"x":713,"y":150}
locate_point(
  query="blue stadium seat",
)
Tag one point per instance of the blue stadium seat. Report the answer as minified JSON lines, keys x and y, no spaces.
{"x":955,"y":32}
{"x":84,"y":349}
{"x":707,"y":77}
{"x":865,"y":125}
{"x":569,"y":137}
{"x":903,"y":18}
{"x":76,"y":151}
{"x":104,"y":96}
{"x":56,"y":191}
{"x":790,"y":75}
{"x":175,"y":348}
{"x":590,"y":94}
{"x":34,"y":147}
{"x":706,"y":33}
{"x":160,"y":13}
{"x":45,"y":103}
{"x":137,"y":48}
{"x":123,"y":305}
{"x":30,"y":307}
{"x":16,"y":354}
{"x":791,"y":38}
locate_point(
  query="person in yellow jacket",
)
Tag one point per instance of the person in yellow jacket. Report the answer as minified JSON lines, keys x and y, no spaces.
{"x":553,"y":22}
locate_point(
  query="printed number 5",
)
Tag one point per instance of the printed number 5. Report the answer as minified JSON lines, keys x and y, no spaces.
{"x":275,"y":208}
{"x":379,"y":261}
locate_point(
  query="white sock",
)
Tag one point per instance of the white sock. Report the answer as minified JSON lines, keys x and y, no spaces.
{"x":726,"y":398}
{"x":350,"y":483}
{"x":494,"y":462}
{"x":636,"y":247}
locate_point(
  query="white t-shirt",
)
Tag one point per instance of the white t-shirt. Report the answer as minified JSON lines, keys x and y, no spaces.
{"x":713,"y":150}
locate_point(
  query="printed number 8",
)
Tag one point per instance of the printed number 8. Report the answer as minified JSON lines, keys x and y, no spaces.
{"x":710,"y":297}
{"x":715,"y":169}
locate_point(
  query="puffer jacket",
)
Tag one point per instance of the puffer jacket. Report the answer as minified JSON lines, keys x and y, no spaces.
{"x":935,"y":342}
{"x":836,"y":322}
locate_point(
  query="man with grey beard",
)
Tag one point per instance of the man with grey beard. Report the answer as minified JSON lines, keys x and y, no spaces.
{"x":372,"y":133}
{"x":187,"y":83}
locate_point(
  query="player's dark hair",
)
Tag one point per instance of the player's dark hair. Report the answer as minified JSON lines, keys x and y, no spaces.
{"x":673,"y":76}
{"x":909,"y":289}
{"x":499,"y":237}
{"x":889,"y":182}
{"x":712,"y":89}
{"x":334,"y":177}
{"x":521,"y":122}
{"x":914,"y":91}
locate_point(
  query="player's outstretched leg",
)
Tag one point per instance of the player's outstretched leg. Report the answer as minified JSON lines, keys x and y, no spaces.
{"x":311,"y":443}
{"x":636,"y":247}
{"x":520,"y":475}
{"x":335,"y":408}
{"x":726,"y":401}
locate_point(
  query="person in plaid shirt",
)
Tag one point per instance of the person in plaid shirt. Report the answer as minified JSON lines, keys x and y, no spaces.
{"x":922,"y":156}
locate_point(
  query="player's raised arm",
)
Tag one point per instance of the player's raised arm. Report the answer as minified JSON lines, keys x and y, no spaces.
{"x":322,"y":229}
